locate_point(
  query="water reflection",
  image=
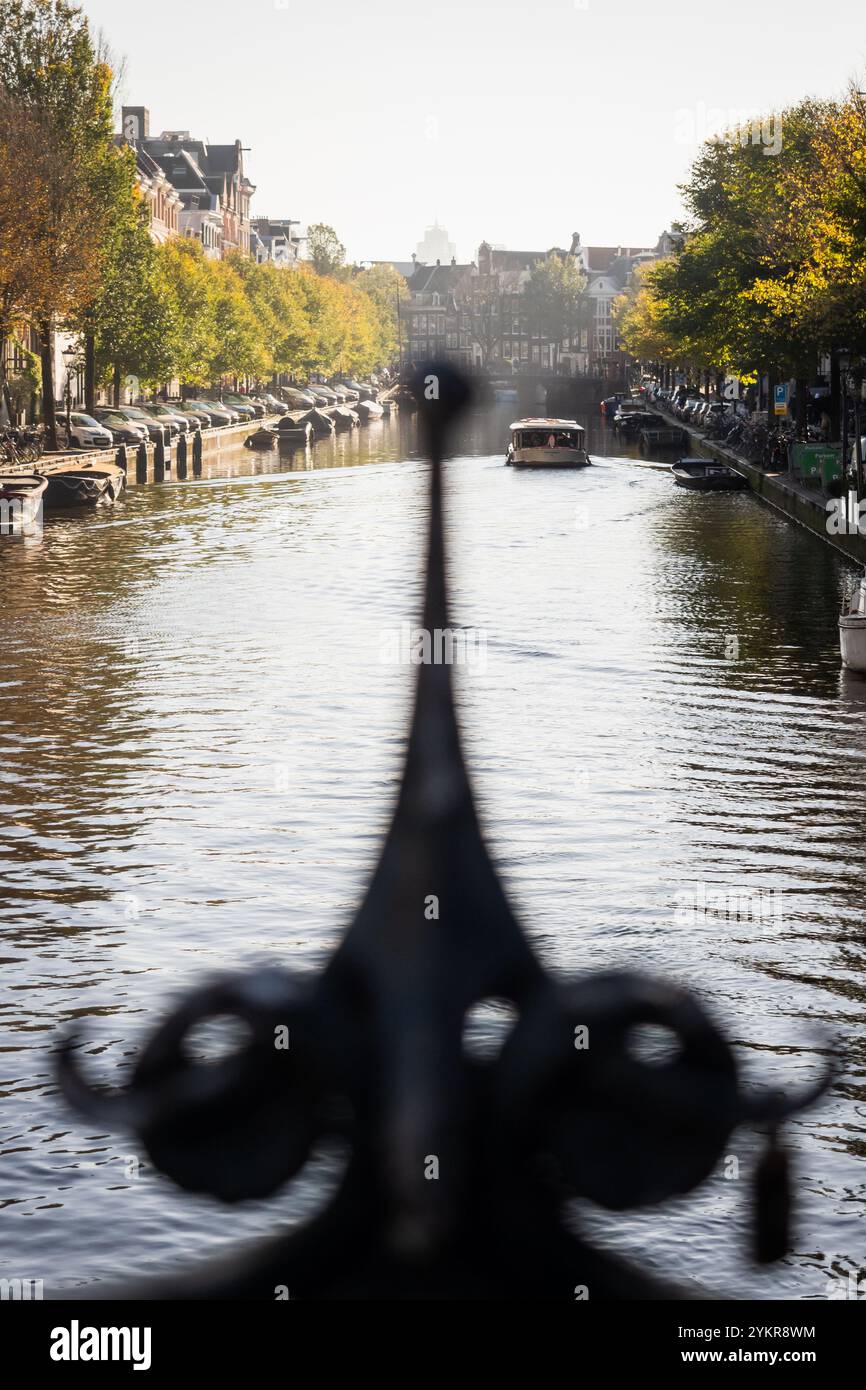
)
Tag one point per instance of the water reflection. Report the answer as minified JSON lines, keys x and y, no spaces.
{"x":201,"y":750}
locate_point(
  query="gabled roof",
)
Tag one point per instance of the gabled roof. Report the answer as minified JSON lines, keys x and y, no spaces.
{"x":436,"y":279}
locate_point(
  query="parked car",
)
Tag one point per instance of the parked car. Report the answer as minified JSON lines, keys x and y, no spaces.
{"x":201,"y":418}
{"x":298,"y":399}
{"x":183,"y":423}
{"x":246,"y":407}
{"x":122,"y":431}
{"x":272,"y":404}
{"x":325,"y":393}
{"x":85,"y":432}
{"x":217,"y":414}
{"x":155,"y":431}
{"x":168,"y":422}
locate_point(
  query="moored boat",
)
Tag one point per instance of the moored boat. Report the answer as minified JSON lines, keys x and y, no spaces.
{"x":319,"y":422}
{"x":264,"y":438}
{"x":705,"y":475}
{"x":346,"y":418}
{"x":369,"y":410}
{"x":84,"y":486}
{"x":852,"y":630}
{"x":293,"y":434}
{"x":21,"y":497}
{"x":547,"y":443}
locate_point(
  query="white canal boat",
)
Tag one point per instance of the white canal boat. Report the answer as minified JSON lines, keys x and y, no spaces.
{"x":852,"y":630}
{"x":546,"y":443}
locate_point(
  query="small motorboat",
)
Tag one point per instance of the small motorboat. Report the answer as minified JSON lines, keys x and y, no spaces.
{"x":21,"y":497}
{"x":264,"y":438}
{"x":547,"y":443}
{"x":346,"y":418}
{"x":84,"y":486}
{"x":319,"y":422}
{"x":852,"y":630}
{"x":293,"y":434}
{"x":705,"y":475}
{"x":369,"y":410}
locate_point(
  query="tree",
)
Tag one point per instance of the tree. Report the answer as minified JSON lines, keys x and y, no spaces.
{"x":639,"y":318}
{"x":22,"y":137}
{"x":49,"y":65}
{"x":277,"y":302}
{"x":386,"y":288}
{"x":134,"y":321}
{"x":555,"y":296}
{"x":327,"y":252}
{"x":190,"y":283}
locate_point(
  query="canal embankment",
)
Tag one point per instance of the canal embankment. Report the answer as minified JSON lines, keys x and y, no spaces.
{"x":800,"y":503}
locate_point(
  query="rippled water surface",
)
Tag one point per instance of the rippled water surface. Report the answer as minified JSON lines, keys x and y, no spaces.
{"x":201,"y":740}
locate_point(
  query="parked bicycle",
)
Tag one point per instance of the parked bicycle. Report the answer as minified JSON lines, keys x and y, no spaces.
{"x":20,"y":445}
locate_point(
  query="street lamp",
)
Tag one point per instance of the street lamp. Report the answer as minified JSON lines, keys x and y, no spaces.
{"x":69,"y":355}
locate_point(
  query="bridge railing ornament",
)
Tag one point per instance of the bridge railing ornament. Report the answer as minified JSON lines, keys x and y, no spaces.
{"x":459,"y":1167}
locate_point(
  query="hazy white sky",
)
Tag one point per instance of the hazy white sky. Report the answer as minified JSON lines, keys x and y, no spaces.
{"x":515,"y":122}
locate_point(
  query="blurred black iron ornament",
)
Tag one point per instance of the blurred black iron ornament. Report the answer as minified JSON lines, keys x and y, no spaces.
{"x":458,"y":1166}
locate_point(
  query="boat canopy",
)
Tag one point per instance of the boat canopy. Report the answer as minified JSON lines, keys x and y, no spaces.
{"x":546,"y":423}
{"x":547,"y":434}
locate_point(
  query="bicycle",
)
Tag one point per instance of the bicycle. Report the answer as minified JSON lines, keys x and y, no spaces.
{"x":21,"y":445}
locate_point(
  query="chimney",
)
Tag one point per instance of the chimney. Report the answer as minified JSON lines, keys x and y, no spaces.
{"x":135,"y":123}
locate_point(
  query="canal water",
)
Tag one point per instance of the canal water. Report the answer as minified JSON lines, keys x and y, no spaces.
{"x":202,"y":732}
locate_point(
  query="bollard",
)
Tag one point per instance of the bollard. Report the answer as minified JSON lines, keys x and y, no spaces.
{"x":181,"y":455}
{"x":159,"y":460}
{"x":141,"y":462}
{"x":196,"y":453}
{"x":122,"y":460}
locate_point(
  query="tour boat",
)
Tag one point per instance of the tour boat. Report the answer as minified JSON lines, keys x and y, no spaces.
{"x":703,"y":475}
{"x":852,"y":630}
{"x":545,"y":443}
{"x":20,"y":501}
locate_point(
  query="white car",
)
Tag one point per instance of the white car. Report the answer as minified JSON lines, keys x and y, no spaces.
{"x":86,"y":433}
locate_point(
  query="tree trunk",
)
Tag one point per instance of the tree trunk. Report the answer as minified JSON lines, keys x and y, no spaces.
{"x":116,"y":384}
{"x":89,"y":374}
{"x":835,"y":397}
{"x":802,"y":389}
{"x":4,"y":381}
{"x":46,"y":357}
{"x":771,"y":399}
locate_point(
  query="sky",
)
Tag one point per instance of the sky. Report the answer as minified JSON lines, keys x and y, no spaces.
{"x":515,"y":123}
